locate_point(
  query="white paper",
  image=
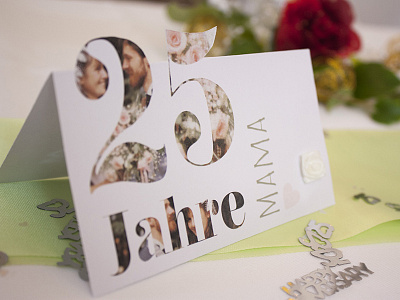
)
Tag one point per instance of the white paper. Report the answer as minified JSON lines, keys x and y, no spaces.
{"x":275,"y":108}
{"x":37,"y":153}
{"x":267,"y":116}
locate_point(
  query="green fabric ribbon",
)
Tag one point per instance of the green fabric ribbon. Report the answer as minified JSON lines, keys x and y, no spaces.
{"x":363,"y":163}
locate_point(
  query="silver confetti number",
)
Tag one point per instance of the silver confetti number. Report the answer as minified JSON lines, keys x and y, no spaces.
{"x":73,"y":256}
{"x":3,"y":258}
{"x":323,"y":282}
{"x":62,"y":209}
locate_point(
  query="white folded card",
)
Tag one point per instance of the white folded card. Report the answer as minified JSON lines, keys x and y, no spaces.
{"x":169,"y":162}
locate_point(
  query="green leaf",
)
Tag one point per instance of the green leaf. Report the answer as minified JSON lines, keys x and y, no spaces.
{"x":237,"y":18}
{"x":187,"y":14}
{"x":387,"y":110}
{"x":319,"y":67}
{"x":373,"y":79}
{"x":245,"y":43}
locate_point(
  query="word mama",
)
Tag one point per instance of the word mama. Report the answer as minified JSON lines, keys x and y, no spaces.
{"x":266,"y":179}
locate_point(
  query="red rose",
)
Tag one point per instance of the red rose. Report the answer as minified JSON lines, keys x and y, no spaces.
{"x":323,"y":26}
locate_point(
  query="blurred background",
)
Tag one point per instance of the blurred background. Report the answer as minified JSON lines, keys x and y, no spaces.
{"x":358,"y":89}
{"x":377,"y":12}
{"x":370,"y":11}
{"x":44,"y":36}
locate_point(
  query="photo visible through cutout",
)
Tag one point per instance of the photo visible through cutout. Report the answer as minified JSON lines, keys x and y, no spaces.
{"x":121,"y":242}
{"x":91,"y":76}
{"x":187,"y":125}
{"x":128,"y":161}
{"x":187,"y":48}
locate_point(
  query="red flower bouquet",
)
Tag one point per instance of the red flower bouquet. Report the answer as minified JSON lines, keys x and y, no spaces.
{"x":323,"y":26}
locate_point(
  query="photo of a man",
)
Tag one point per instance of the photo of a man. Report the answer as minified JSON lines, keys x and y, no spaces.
{"x":137,"y":68}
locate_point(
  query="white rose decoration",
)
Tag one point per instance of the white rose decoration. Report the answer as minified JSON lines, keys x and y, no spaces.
{"x":312,"y":166}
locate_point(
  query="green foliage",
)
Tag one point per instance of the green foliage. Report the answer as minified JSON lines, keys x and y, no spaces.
{"x":387,"y":110}
{"x":373,"y":80}
{"x":243,"y":40}
{"x":244,"y":43}
{"x":237,"y":18}
{"x":343,"y":96}
{"x":188,"y":14}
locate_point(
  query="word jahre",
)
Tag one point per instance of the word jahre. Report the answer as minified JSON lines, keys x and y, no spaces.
{"x":266,"y":179}
{"x":154,"y":244}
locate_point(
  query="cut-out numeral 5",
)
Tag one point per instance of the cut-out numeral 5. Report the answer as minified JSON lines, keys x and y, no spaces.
{"x":187,"y":49}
